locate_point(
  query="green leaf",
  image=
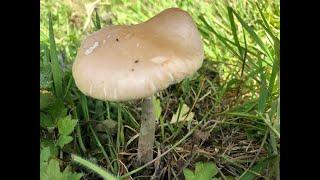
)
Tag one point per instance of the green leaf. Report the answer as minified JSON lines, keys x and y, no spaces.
{"x":45,"y":154}
{"x":72,"y":176}
{"x":51,"y":171}
{"x":63,"y":140}
{"x":53,"y":167}
{"x":43,"y":167}
{"x":54,"y":150}
{"x":184,"y":116}
{"x":230,"y":178}
{"x":57,"y":110}
{"x":203,"y":171}
{"x":49,"y":143}
{"x":66,"y":125}
{"x":46,"y":121}
{"x":188,"y":174}
{"x":69,"y":175}
{"x":157,"y":107}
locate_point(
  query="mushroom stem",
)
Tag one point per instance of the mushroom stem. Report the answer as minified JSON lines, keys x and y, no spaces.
{"x":147,"y":131}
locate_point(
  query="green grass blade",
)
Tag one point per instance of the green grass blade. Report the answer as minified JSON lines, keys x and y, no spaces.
{"x":272,"y":128}
{"x":253,"y":172}
{"x":120,"y":133}
{"x":253,"y":35}
{"x":85,"y":110}
{"x":245,"y":52}
{"x":262,"y":16}
{"x":131,"y":120}
{"x":266,"y":26}
{"x":275,"y":67}
{"x":101,"y":147}
{"x":226,"y":42}
{"x":97,"y":23}
{"x":78,"y":129}
{"x":274,"y":38}
{"x":56,"y":69}
{"x":276,"y":41}
{"x":221,"y":38}
{"x":112,"y":151}
{"x":70,"y":83}
{"x":263,"y":95}
{"x":84,"y":105}
{"x":105,"y":174}
{"x":234,"y":31}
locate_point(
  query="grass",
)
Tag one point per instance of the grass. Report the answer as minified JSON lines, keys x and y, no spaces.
{"x":234,"y":96}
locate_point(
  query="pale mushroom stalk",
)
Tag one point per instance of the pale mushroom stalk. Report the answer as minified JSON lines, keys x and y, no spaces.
{"x":147,"y":131}
{"x":122,"y":63}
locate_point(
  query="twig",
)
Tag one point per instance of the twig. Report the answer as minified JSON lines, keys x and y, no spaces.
{"x":256,"y":156}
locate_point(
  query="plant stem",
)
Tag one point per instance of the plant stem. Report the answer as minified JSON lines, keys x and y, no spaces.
{"x":147,"y":131}
{"x":93,"y":167}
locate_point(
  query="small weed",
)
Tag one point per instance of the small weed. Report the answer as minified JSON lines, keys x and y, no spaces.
{"x":203,"y":171}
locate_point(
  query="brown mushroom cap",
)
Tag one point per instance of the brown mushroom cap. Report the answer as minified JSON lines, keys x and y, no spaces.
{"x":120,"y":63}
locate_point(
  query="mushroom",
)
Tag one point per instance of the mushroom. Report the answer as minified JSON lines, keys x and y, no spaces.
{"x":129,"y":62}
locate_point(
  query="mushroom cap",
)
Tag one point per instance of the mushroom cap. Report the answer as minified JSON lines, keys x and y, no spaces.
{"x":127,"y":62}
